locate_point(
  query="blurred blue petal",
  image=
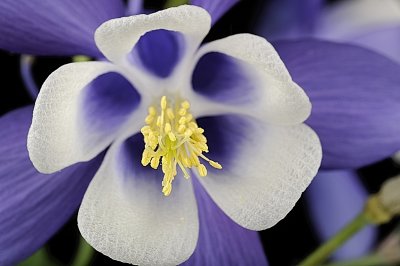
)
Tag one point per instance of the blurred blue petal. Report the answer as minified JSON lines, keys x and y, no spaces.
{"x":54,"y":27}
{"x":355,"y":95}
{"x":289,"y":18}
{"x":134,"y":7}
{"x":221,"y":241}
{"x":335,"y":198}
{"x":33,"y":206}
{"x":385,"y":40}
{"x":368,"y":23}
{"x":216,"y":8}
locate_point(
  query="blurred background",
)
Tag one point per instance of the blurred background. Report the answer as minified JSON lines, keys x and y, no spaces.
{"x":284,"y":244}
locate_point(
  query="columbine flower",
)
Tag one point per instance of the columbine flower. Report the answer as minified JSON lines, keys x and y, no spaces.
{"x":163,"y":96}
{"x":355,"y":127}
{"x":374,"y":25}
{"x":40,"y":204}
{"x":163,"y":104}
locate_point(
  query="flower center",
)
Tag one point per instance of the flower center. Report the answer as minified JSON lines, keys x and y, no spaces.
{"x":172,"y":137}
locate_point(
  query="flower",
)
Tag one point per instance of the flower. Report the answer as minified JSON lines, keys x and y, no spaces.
{"x":163,"y":86}
{"x":40,"y":204}
{"x":373,"y":25}
{"x":98,"y":121}
{"x":355,"y":128}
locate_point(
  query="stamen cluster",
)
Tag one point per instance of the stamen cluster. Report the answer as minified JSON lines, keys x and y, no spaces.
{"x":173,"y":138}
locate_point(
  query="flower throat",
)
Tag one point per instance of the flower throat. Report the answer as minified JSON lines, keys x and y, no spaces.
{"x":172,"y":137}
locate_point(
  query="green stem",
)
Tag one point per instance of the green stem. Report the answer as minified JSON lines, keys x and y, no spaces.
{"x":324,"y":251}
{"x":39,"y":258}
{"x":173,"y":3}
{"x":371,"y":260}
{"x":84,"y":254}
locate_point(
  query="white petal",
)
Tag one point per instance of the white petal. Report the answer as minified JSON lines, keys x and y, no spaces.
{"x":276,"y":97}
{"x":116,"y":38}
{"x":265,"y":170}
{"x":61,"y":133}
{"x":347,"y":20}
{"x":125,"y":216}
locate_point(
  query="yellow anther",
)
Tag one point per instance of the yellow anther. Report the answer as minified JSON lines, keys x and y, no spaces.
{"x":145,"y":158}
{"x":182,"y":121}
{"x":215,"y":165}
{"x":188,"y":133}
{"x":155,"y":161}
{"x":193,"y":126}
{"x":167,"y":189}
{"x":170,"y":114}
{"x":145,"y":129}
{"x":201,"y":168}
{"x":164,"y":102}
{"x":167,"y":128}
{"x":199,"y":130}
{"x":149,"y":119}
{"x":145,"y":161}
{"x":185,"y":104}
{"x":146,"y":153}
{"x":189,"y":117}
{"x":202,"y":146}
{"x":172,"y":137}
{"x":152,"y":137}
{"x":181,"y":129}
{"x":200,"y":138}
{"x":152,"y":110}
{"x":182,"y":111}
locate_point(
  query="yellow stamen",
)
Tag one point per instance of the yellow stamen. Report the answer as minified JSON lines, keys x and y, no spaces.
{"x":164,"y":102}
{"x":155,"y":161}
{"x":202,"y":170}
{"x":181,"y":129}
{"x":185,"y":104}
{"x":149,"y":119}
{"x":172,"y":137}
{"x":215,"y":165}
{"x":152,"y":111}
{"x":182,"y":111}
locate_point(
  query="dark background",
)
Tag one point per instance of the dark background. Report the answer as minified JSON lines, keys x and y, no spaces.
{"x":285,"y":244}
